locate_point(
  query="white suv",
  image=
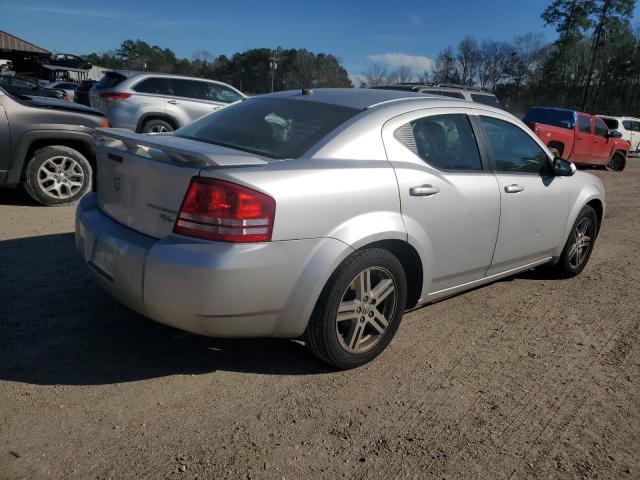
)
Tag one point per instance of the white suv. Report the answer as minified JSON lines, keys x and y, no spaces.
{"x":155,"y":102}
{"x":629,"y":127}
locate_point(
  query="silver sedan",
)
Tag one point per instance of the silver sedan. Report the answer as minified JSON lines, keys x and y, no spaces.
{"x":326,"y":214}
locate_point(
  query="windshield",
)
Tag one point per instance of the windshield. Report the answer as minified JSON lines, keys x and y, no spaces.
{"x":273,"y":127}
{"x":549,"y":116}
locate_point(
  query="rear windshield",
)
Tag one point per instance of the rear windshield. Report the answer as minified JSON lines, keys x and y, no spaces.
{"x":273,"y":127}
{"x":110,"y":79}
{"x":548,"y":116}
{"x":486,"y":99}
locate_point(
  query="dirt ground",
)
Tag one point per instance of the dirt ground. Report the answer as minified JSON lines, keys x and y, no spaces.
{"x":525,"y":378}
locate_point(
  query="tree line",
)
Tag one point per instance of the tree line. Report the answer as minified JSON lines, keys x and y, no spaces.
{"x":252,"y":71}
{"x":593,"y":66}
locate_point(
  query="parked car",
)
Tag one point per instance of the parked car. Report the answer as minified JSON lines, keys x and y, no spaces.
{"x":66,"y":86}
{"x":47,"y":146}
{"x":280,"y":216}
{"x":22,"y":86}
{"x":155,"y":103}
{"x":81,"y":92}
{"x":629,"y":127}
{"x":6,"y":65}
{"x":462,"y":92}
{"x":578,"y":137}
{"x":68,"y":61}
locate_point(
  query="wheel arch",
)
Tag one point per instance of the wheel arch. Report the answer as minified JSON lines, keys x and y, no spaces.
{"x":32,"y":141}
{"x":557,"y":144}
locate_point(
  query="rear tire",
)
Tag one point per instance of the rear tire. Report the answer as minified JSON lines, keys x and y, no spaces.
{"x":554,"y":151}
{"x":369,"y":291}
{"x":57,"y":175}
{"x":617,"y":163}
{"x":577,"y":250}
{"x":157,"y":126}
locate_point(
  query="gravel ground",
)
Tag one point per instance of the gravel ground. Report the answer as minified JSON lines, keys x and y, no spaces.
{"x":525,"y":378}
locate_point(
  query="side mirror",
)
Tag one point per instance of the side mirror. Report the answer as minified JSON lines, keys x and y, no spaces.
{"x":563,"y":168}
{"x":615,"y":134}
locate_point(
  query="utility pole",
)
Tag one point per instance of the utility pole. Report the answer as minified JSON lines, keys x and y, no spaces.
{"x":273,"y":65}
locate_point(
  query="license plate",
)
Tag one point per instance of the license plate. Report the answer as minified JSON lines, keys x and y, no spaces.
{"x":102,"y":259}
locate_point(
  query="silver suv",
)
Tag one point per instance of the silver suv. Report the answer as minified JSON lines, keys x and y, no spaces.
{"x":153,"y":102}
{"x":462,"y":92}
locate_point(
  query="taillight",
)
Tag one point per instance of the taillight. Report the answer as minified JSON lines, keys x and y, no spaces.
{"x":219,"y":210}
{"x":115,"y":96}
{"x":105,"y":124}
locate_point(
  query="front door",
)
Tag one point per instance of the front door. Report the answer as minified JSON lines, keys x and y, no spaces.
{"x":601,"y":146}
{"x":5,"y":144}
{"x":534,"y":203}
{"x":449,"y":197}
{"x":583,"y":140}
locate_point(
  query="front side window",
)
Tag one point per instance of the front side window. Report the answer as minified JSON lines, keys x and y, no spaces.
{"x":273,"y":127}
{"x":220,"y":93}
{"x":156,"y":85}
{"x":635,"y":126}
{"x":601,"y":128}
{"x":514,"y":150}
{"x":627,"y":125}
{"x":446,"y":142}
{"x":584,"y":124}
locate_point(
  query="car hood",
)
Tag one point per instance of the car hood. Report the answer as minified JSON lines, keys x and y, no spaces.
{"x":44,"y":102}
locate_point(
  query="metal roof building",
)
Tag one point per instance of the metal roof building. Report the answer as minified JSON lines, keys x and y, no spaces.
{"x":11,"y":43}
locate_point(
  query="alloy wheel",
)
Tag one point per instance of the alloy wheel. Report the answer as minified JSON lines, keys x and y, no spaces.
{"x":582,"y":237}
{"x":158,"y":129}
{"x":366,"y":308}
{"x":60,"y":177}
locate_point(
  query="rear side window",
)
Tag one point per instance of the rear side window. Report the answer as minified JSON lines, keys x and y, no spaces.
{"x":514,"y":150}
{"x":612,"y":123}
{"x":157,"y":85}
{"x":110,"y":80}
{"x":486,"y":99}
{"x":601,"y":128}
{"x":452,"y":94}
{"x":190,"y":89}
{"x":446,"y":142}
{"x":548,"y":116}
{"x":273,"y":127}
{"x":584,"y":124}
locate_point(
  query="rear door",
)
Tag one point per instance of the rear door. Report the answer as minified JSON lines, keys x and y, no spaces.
{"x":583,"y":140}
{"x":534,"y":204}
{"x":190,"y":100}
{"x":449,"y":197}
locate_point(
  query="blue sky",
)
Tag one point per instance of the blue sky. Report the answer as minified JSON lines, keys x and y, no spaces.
{"x":357,"y":32}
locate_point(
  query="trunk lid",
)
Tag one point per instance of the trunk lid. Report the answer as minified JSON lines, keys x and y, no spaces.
{"x":142,"y":179}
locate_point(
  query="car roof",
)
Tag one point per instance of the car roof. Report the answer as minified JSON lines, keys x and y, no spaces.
{"x":360,"y":98}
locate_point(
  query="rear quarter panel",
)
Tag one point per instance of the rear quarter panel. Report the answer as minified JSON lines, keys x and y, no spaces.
{"x":549,"y":133}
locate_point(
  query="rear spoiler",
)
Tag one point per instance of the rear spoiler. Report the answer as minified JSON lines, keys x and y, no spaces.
{"x":192,"y":152}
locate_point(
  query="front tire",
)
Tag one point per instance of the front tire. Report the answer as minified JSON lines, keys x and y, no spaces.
{"x":57,"y":175}
{"x":579,"y":245}
{"x":359,"y":310}
{"x":617,"y":163}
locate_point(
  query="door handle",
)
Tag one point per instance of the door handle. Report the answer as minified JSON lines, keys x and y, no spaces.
{"x":423,"y":191}
{"x":513,"y":188}
{"x":172,"y":102}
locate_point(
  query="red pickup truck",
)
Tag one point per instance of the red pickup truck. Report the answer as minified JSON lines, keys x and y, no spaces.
{"x":579,"y":137}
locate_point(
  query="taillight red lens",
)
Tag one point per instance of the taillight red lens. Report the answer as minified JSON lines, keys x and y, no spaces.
{"x":115,"y":96}
{"x":219,"y":210}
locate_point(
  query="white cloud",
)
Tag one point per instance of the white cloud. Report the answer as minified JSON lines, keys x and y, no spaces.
{"x":415,"y":19}
{"x":416,"y":62}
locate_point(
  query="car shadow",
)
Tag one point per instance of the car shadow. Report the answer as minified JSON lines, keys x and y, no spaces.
{"x":16,"y":196}
{"x":59,"y":327}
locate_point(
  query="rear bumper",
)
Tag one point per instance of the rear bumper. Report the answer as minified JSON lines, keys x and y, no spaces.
{"x":210,"y":288}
